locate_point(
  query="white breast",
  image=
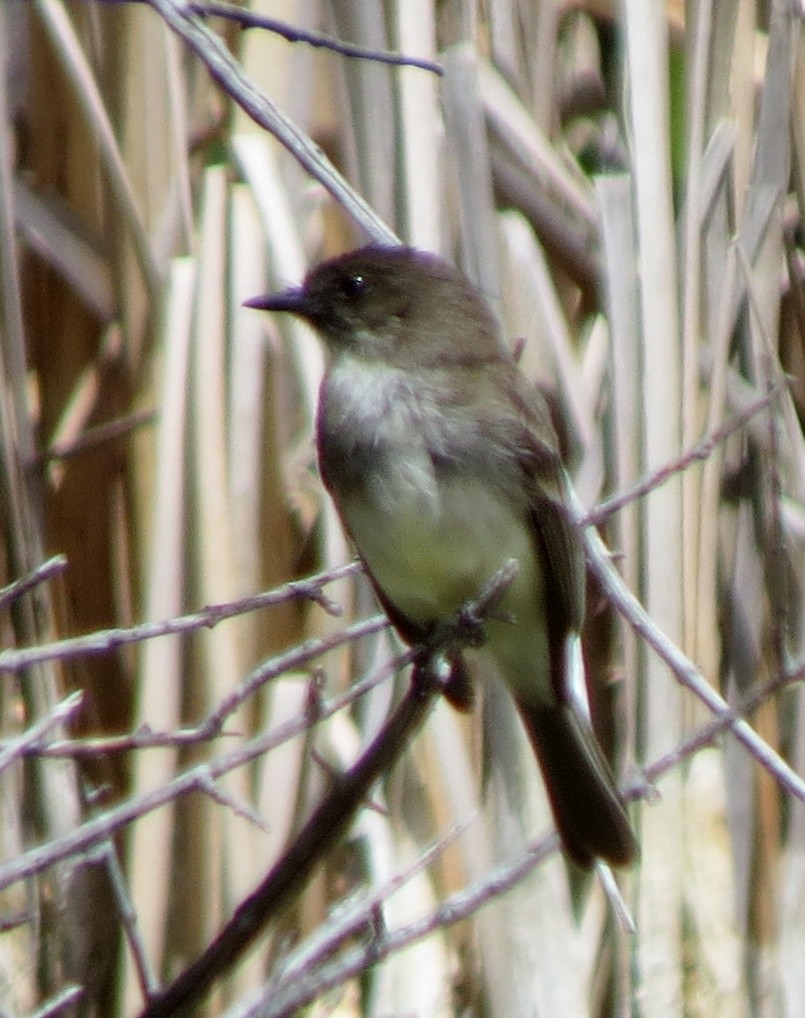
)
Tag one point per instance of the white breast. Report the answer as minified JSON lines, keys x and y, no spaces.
{"x":377,"y":412}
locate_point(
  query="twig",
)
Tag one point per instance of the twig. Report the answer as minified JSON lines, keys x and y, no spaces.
{"x":212,"y":726}
{"x":248,"y":19}
{"x":238,"y":806}
{"x":105,"y":640}
{"x":292,"y":660}
{"x":326,"y":824}
{"x":100,"y":434}
{"x":296,"y":988}
{"x":129,"y":919}
{"x":52,"y":567}
{"x":705,"y":735}
{"x":307,"y":986}
{"x":324,"y":827}
{"x":13,"y":749}
{"x":683,"y":668}
{"x":702,"y":451}
{"x":101,"y":828}
{"x":348,"y":918}
{"x":223,"y":67}
{"x":60,"y":1004}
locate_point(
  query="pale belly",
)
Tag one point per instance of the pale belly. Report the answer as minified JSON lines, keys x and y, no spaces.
{"x":431,"y":543}
{"x":431,"y":554}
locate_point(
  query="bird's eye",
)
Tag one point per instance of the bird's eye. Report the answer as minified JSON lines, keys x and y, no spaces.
{"x":353,"y":286}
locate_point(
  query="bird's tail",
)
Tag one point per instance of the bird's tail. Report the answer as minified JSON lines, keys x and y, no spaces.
{"x":588,"y":812}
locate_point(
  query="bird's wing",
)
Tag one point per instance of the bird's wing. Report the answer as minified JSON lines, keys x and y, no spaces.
{"x":555,"y":530}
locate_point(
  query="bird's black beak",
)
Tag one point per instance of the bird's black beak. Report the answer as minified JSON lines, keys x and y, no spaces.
{"x":292,"y":300}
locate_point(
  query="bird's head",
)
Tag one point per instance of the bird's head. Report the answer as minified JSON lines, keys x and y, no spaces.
{"x":393,"y":303}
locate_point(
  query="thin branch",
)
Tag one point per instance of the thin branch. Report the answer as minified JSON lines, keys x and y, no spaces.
{"x":14,"y":749}
{"x":223,"y":67}
{"x":332,"y":816}
{"x":238,"y":807}
{"x":212,"y":726}
{"x":92,"y":438}
{"x":54,"y":566}
{"x":101,"y":828}
{"x":702,"y":451}
{"x":298,"y":985}
{"x":129,"y":919}
{"x":683,"y":668}
{"x":706,"y":735}
{"x":323,"y":829}
{"x":104,"y":640}
{"x":349,"y":918}
{"x":61,"y":1003}
{"x":248,"y":19}
{"x":305,"y":987}
{"x":292,"y":660}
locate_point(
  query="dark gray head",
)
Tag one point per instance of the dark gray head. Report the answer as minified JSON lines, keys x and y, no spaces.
{"x":394,"y":303}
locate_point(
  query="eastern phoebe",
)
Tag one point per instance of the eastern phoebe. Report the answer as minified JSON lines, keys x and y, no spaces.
{"x":443,"y":465}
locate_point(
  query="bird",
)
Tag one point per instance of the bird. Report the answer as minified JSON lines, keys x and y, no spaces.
{"x":444,"y":465}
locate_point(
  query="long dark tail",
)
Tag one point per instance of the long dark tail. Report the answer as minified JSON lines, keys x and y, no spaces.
{"x":588,"y":812}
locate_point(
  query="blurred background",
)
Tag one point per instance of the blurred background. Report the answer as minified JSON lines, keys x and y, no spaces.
{"x":625,"y":183}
